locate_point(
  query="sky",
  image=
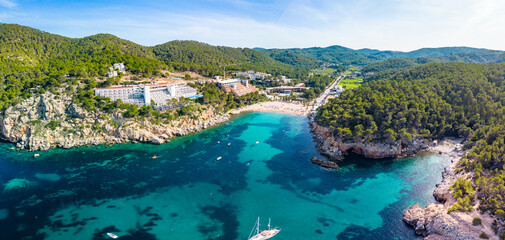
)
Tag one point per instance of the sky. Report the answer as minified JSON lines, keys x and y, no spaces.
{"x":402,"y":25}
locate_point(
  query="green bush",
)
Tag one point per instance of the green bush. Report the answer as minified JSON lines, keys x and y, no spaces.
{"x":476,"y":221}
{"x":483,"y":236}
{"x":53,"y":125}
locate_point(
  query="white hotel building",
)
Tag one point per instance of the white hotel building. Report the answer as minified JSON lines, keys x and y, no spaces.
{"x":143,"y":94}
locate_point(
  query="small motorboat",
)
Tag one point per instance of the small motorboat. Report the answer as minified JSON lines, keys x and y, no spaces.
{"x":218,"y":141}
{"x":219,"y":158}
{"x":257,"y":142}
{"x":229,"y":144}
{"x":154,"y":157}
{"x":112,"y":235}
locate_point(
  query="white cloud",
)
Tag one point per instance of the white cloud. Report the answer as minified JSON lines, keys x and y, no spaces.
{"x":7,"y":3}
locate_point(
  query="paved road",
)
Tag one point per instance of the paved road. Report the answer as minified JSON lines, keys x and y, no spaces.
{"x":322,"y":98}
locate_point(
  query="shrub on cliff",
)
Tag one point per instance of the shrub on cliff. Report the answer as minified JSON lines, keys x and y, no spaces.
{"x":464,"y":194}
{"x":430,"y":101}
{"x":476,"y":221}
{"x":434,"y":101}
{"x":53,"y":125}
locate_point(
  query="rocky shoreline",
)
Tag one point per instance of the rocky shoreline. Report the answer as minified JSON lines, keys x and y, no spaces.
{"x":335,"y":148}
{"x":433,"y":221}
{"x":51,"y":121}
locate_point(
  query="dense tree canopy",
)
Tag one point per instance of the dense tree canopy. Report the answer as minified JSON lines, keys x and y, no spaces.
{"x":32,"y":61}
{"x":435,"y":101}
{"x":211,"y":60}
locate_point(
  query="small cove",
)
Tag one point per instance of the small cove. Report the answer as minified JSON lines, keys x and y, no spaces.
{"x":185,"y":193}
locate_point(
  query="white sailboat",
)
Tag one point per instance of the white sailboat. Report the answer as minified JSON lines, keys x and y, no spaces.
{"x":265,"y":234}
{"x":112,"y":235}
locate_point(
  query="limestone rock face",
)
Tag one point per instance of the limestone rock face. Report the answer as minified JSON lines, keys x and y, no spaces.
{"x":75,"y":111}
{"x":434,"y":221}
{"x":335,"y":148}
{"x":46,"y":121}
{"x":414,"y":216}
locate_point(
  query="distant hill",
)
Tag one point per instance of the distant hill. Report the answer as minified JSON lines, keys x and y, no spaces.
{"x":333,"y":54}
{"x":362,"y":57}
{"x":207,"y":59}
{"x":423,"y":52}
{"x":28,"y":52}
{"x":486,"y":56}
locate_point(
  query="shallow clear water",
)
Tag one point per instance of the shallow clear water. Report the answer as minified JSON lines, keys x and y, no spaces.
{"x":185,"y":193}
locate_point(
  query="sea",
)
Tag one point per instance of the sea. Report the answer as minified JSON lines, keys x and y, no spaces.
{"x":211,"y":185}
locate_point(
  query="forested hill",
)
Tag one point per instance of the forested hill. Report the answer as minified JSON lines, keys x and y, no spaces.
{"x":489,"y":56}
{"x":44,"y":53}
{"x":27,"y":53}
{"x":423,"y":52}
{"x":210,"y":60}
{"x":433,"y":101}
{"x":332,"y":54}
{"x":362,"y":57}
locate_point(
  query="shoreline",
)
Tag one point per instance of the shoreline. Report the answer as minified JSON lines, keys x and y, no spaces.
{"x":275,"y":106}
{"x":433,"y":220}
{"x":18,"y":129}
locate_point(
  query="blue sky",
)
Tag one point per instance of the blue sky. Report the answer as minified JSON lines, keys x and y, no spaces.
{"x":379,"y":24}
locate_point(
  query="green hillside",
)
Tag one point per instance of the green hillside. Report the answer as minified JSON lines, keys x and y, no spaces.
{"x":488,"y":56}
{"x":333,"y":54}
{"x":48,"y":54}
{"x":209,"y":60}
{"x":91,"y":56}
{"x":33,"y":61}
{"x":363,"y":57}
{"x":434,"y":101}
{"x":423,"y":52}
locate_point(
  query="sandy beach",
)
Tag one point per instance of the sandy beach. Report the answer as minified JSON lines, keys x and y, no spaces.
{"x":276,"y":106}
{"x":450,"y":147}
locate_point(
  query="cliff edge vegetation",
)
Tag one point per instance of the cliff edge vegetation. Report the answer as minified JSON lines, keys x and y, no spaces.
{"x":426,"y":103}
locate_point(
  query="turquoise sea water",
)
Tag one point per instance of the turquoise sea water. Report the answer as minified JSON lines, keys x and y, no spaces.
{"x":185,"y":193}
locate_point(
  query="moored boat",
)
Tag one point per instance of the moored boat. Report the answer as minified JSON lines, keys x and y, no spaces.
{"x":265,"y":234}
{"x":112,"y":235}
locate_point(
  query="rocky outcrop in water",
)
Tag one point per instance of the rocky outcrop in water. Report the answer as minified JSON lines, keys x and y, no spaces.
{"x":48,"y":120}
{"x":335,"y":148}
{"x":324,"y":164}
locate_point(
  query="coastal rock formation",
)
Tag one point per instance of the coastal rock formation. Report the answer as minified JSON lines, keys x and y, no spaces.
{"x":48,"y":120}
{"x":335,"y":148}
{"x":325,"y":164}
{"x":434,"y":221}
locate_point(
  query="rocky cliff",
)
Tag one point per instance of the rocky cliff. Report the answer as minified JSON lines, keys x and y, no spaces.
{"x":434,"y":221}
{"x":48,"y":120}
{"x":335,"y":148}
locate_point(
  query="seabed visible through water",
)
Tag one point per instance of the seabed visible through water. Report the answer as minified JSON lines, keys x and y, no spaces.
{"x":185,"y":193}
